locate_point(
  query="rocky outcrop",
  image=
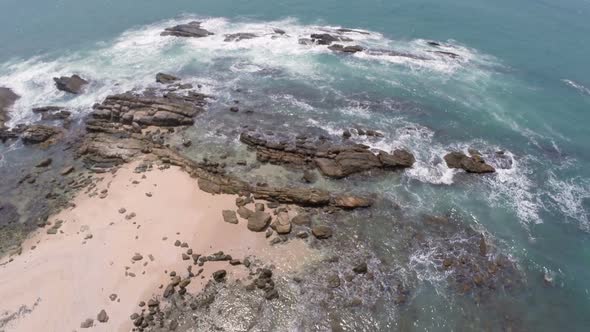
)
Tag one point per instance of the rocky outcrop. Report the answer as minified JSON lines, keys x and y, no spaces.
{"x":191,"y":29}
{"x":7,"y":98}
{"x":236,"y":37}
{"x":171,"y":110}
{"x":327,"y":39}
{"x":166,"y":78}
{"x":37,"y":134}
{"x":471,"y":164}
{"x":73,"y":84}
{"x":346,"y":49}
{"x":333,"y":160}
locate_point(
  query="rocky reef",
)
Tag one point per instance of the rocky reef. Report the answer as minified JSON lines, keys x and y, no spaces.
{"x":335,"y":160}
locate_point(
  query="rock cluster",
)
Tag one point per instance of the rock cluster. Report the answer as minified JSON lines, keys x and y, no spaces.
{"x":170,"y":110}
{"x":333,"y":160}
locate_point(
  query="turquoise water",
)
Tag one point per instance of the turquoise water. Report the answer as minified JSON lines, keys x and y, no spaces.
{"x":521,"y":85}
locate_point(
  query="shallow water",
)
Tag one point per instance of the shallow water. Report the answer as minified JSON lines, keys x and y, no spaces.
{"x":520,"y":85}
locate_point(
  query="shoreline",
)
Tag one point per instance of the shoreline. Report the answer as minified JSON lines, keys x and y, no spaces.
{"x":92,"y":254}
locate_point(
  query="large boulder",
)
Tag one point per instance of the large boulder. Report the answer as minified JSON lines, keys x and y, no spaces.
{"x":471,"y":164}
{"x":191,"y":29}
{"x":259,"y":221}
{"x":73,"y":84}
{"x":7,"y":98}
{"x":36,"y":134}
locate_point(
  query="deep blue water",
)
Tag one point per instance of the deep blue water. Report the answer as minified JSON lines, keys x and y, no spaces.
{"x":522,"y":86}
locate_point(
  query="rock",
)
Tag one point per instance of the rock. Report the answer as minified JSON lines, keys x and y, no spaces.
{"x":73,"y":84}
{"x":333,"y":281}
{"x":102,"y":316}
{"x":166,"y":78}
{"x":244,"y":212}
{"x":346,"y":134}
{"x":67,"y":170}
{"x":337,"y":160}
{"x":352,"y":202}
{"x":321,"y":232}
{"x":279,"y":31}
{"x":258,"y":221}
{"x":234,"y":109}
{"x":309,"y":176}
{"x":282,"y":225}
{"x":191,"y":29}
{"x":327,"y":39}
{"x":168,"y":291}
{"x":360,"y":268}
{"x":87,"y":323}
{"x":47,"y":109}
{"x":236,"y":37}
{"x":137,"y":257}
{"x":259,"y":207}
{"x":44,"y":163}
{"x":302,"y":219}
{"x":473,"y":164}
{"x":61,"y":115}
{"x":399,"y":159}
{"x":36,"y":134}
{"x":7,"y":99}
{"x":271,"y":294}
{"x":230,"y":216}
{"x":219,"y":276}
{"x":346,"y":49}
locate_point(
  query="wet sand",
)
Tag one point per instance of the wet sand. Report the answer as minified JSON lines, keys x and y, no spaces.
{"x":68,"y":277}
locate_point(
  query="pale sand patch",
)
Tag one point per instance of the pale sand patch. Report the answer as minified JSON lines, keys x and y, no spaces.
{"x":68,"y":281}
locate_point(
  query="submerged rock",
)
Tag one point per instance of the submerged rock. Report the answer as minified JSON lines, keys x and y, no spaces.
{"x":327,"y":39}
{"x":166,"y":78}
{"x":321,"y":232}
{"x":191,"y":29}
{"x":73,"y":84}
{"x":473,"y":164}
{"x":346,"y":49}
{"x":236,"y":37}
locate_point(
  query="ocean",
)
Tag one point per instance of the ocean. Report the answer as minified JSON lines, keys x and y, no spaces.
{"x":519,"y":84}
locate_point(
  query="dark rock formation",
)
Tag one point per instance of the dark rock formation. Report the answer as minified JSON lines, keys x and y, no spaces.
{"x":73,"y":84}
{"x":346,"y":49}
{"x":191,"y":29}
{"x":332,"y":160}
{"x":7,"y":98}
{"x":473,"y":164}
{"x":166,"y":78}
{"x":236,"y":37}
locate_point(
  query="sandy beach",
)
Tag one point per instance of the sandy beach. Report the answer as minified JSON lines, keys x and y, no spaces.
{"x":119,"y":239}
